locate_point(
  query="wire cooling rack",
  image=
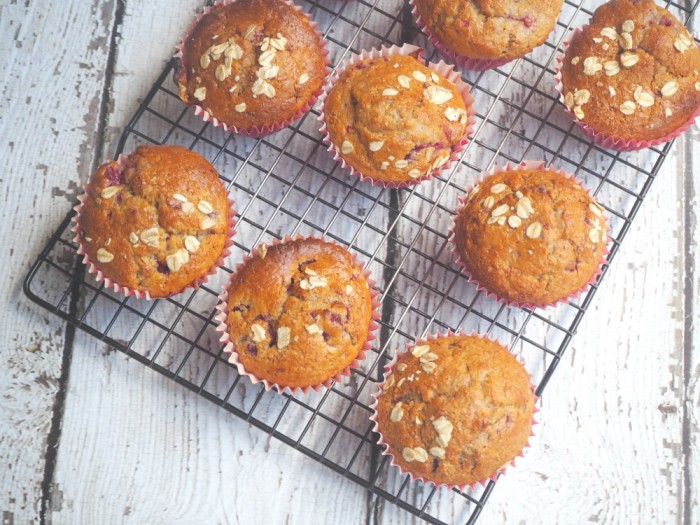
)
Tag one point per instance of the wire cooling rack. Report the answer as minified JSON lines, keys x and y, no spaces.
{"x":287,"y":183}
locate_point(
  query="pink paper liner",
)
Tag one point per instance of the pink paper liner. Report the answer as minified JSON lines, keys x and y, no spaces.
{"x":472,"y":64}
{"x":602,"y":139}
{"x":253,"y":131}
{"x":524,"y":165}
{"x":388,"y":371}
{"x":140,"y":294}
{"x":225,"y":338}
{"x":446,"y":70}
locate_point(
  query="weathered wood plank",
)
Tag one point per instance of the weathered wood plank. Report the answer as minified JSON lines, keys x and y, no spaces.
{"x":54,"y":58}
{"x":164,"y":455}
{"x":171,"y":438}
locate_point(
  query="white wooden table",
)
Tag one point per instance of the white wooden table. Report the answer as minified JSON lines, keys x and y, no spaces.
{"x":619,"y":436}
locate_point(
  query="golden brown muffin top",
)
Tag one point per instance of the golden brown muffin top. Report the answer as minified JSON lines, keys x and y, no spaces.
{"x":157,"y":222}
{"x":456,"y":409}
{"x":299,"y":312}
{"x":530,"y":236}
{"x":393,"y":119}
{"x":252,"y":63}
{"x":490,"y":29}
{"x":633,"y":73}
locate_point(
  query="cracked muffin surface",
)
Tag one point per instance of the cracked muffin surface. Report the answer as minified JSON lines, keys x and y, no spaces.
{"x":299,"y":312}
{"x":490,"y":29}
{"x":156,"y":222}
{"x":393,"y":119}
{"x":251,"y":63}
{"x":530,"y":236}
{"x":456,"y":409}
{"x":633,"y":73}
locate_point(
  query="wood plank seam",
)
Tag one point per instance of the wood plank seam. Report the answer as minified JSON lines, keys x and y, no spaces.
{"x":54,"y":437}
{"x":375,"y":503}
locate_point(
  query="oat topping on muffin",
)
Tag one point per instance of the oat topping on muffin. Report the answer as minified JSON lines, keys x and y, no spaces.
{"x":455,"y":409}
{"x":530,"y":236}
{"x":633,"y":73}
{"x":393,"y":119}
{"x":487,"y":29}
{"x":251,"y":63}
{"x":156,"y":223}
{"x":299,"y":312}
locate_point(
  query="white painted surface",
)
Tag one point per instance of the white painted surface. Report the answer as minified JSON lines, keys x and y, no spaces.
{"x":51,"y":89}
{"x":137,"y":448}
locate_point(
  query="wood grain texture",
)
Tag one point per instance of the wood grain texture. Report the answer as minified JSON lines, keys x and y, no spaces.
{"x":164,"y":455}
{"x":138,"y":448}
{"x":51,"y":89}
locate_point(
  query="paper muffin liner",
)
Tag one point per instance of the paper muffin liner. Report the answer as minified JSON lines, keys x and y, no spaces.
{"x":446,"y":70}
{"x":472,"y":64}
{"x":253,"y":131}
{"x":461,"y":201}
{"x":387,"y":451}
{"x":93,"y":268}
{"x":602,"y":139}
{"x":229,"y":348}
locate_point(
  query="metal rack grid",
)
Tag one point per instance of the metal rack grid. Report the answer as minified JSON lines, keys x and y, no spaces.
{"x":287,"y":183}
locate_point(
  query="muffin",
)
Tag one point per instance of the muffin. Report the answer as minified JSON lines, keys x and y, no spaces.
{"x":480,"y":30}
{"x":298,"y":314}
{"x":530,"y":235}
{"x":156,"y":221}
{"x":253,"y":65}
{"x":455,"y":410}
{"x":633,"y":73}
{"x":394,"y":120}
